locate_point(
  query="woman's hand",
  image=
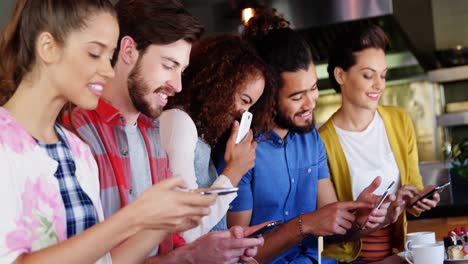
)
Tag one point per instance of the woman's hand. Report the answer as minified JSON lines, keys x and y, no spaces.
{"x":403,"y":197}
{"x":163,"y":207}
{"x":239,"y":158}
{"x":426,"y":203}
{"x":372,"y":217}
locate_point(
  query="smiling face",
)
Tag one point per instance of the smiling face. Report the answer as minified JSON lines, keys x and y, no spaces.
{"x":84,"y":65}
{"x":297,"y":99}
{"x":247,"y":95}
{"x":157,"y":76}
{"x":363,"y":84}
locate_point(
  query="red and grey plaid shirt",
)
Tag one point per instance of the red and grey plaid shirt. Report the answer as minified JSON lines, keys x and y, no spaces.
{"x":104,"y":130}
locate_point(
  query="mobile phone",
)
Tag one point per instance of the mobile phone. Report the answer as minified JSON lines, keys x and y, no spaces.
{"x":429,"y":193}
{"x":260,"y":232}
{"x":223,"y":191}
{"x":380,"y":202}
{"x":244,"y":126}
{"x":384,"y":196}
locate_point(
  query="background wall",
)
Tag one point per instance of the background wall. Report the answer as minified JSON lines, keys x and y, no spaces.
{"x":6,"y":7}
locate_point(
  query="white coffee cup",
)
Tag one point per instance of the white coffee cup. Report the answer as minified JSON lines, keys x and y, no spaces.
{"x":426,"y":253}
{"x":419,"y":238}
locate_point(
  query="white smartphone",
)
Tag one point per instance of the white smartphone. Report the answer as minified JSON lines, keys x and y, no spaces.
{"x":244,"y":126}
{"x":223,"y":191}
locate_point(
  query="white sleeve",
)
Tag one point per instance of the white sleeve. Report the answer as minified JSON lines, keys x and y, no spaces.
{"x":179,"y":138}
{"x":11,"y":246}
{"x":218,"y":210}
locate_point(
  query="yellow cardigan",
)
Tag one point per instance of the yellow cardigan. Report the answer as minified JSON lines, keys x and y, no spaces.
{"x":402,"y":139}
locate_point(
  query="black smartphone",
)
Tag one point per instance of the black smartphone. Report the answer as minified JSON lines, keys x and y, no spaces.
{"x":260,"y":232}
{"x":430,"y":193}
{"x":221,"y":191}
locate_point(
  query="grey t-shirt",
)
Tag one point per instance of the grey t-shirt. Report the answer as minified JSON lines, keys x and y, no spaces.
{"x":139,"y":163}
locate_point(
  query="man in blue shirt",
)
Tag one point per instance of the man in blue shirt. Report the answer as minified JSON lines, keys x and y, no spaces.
{"x":290,"y":180}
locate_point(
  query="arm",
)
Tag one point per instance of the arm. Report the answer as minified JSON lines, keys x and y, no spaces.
{"x":326,"y":193}
{"x":216,"y":247}
{"x":179,"y":137}
{"x":121,"y":228}
{"x":414,"y":176}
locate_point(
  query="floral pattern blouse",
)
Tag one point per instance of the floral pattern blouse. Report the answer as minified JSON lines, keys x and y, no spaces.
{"x":32,"y":210}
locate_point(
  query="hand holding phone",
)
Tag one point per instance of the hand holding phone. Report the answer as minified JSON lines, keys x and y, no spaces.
{"x":384,"y":196}
{"x":244,"y":126}
{"x":260,"y":232}
{"x":428,"y":193}
{"x":223,"y":191}
{"x":379,"y":202}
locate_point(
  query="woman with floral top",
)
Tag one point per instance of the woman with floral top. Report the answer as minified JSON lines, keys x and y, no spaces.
{"x":54,"y":52}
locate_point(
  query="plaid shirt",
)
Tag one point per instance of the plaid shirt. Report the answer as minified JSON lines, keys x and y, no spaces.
{"x":79,"y":208}
{"x":104,"y":130}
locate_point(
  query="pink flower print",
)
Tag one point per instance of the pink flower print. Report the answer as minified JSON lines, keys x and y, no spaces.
{"x":42,"y":222}
{"x":14,"y":137}
{"x":74,"y":143}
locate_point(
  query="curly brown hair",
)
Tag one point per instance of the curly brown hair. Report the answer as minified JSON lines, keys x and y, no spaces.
{"x":219,"y":66}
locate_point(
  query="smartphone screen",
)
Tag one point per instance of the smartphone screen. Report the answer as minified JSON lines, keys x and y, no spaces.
{"x":244,"y":126}
{"x":260,"y":232}
{"x":221,"y":191}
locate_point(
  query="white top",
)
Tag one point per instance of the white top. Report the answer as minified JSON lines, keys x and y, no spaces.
{"x":179,"y":137}
{"x":369,"y":155}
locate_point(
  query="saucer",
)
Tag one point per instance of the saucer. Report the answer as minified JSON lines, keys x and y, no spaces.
{"x":457,"y":261}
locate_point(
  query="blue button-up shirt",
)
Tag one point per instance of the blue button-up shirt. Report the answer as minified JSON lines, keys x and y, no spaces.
{"x":283,"y":184}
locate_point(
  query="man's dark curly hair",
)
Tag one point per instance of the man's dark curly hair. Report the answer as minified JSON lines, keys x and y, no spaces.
{"x":219,"y":66}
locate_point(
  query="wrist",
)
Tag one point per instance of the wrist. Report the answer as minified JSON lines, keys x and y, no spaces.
{"x":232,"y":175}
{"x":132,"y":218}
{"x":186,"y":254}
{"x":176,"y":256}
{"x":300,"y":226}
{"x":307,"y":220}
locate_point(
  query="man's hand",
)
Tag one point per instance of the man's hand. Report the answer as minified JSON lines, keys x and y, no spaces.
{"x":165,"y":208}
{"x":334,"y":218}
{"x":224,"y":246}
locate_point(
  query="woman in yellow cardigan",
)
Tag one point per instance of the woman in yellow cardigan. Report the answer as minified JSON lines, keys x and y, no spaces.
{"x":364,"y":140}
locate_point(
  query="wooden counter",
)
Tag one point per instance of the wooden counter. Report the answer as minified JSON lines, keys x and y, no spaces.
{"x":440,"y":226}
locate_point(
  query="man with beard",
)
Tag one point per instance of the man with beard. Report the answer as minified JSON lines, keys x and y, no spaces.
{"x":155,"y":41}
{"x":290,"y":179}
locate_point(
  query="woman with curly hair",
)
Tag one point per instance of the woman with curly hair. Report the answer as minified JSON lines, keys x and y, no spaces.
{"x":225,"y":78}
